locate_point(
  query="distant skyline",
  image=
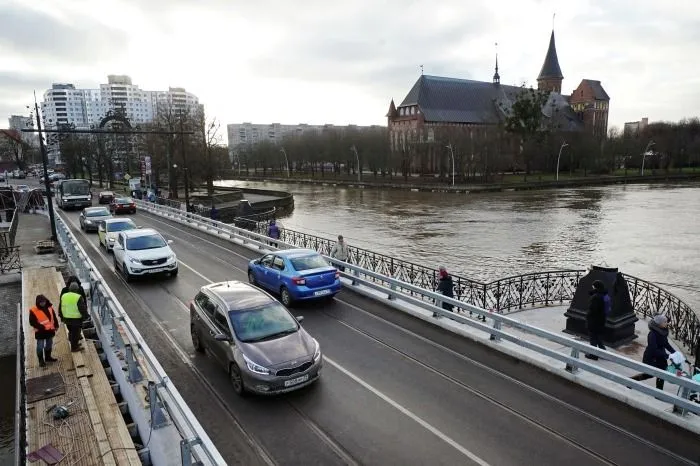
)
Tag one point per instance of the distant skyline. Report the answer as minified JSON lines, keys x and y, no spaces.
{"x":342,"y":62}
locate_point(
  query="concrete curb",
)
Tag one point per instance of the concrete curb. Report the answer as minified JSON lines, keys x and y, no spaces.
{"x":619,"y":395}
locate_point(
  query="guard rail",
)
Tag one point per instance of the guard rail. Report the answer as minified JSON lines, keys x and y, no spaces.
{"x":489,"y":322}
{"x":165,"y":420}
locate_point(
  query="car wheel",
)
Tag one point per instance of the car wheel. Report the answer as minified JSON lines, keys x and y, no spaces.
{"x":251,"y":278}
{"x":125,"y":272}
{"x":236,"y":379}
{"x":285,"y":297}
{"x":116,"y":265}
{"x":196,"y":342}
{"x":174,"y":272}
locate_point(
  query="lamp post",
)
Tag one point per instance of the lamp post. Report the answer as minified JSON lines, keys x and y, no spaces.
{"x":359,"y":169}
{"x":644,"y":154}
{"x":45,"y":163}
{"x":184,"y":161}
{"x":187,"y":197}
{"x":563,"y":145}
{"x":286,"y":160}
{"x":452,"y":154}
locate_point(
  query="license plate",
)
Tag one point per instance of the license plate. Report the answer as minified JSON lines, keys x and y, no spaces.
{"x":297,"y":381}
{"x":322,"y":292}
{"x":159,"y":269}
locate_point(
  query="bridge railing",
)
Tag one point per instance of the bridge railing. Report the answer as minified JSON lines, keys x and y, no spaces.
{"x":165,"y":420}
{"x":488,"y":321}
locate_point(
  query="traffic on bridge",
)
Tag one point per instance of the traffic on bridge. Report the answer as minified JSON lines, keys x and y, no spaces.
{"x":393,"y":389}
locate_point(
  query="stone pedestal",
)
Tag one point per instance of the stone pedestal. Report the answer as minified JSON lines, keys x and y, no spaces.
{"x":619,"y":326}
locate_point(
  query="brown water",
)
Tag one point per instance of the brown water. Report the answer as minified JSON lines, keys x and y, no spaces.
{"x":650,"y":231}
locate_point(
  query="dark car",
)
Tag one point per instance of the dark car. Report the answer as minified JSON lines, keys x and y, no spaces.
{"x":296,"y":275}
{"x":105,"y":197}
{"x":122,"y":205}
{"x":91,"y":217}
{"x":254,"y":337}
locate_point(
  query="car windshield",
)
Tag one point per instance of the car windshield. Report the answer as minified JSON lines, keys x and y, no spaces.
{"x":97,"y":213}
{"x":313,"y":261}
{"x":106,"y":193}
{"x":139,"y":243}
{"x":263,"y":323}
{"x":123,"y":200}
{"x":121,"y":226}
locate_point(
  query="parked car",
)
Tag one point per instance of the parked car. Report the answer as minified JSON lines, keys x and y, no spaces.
{"x":91,"y":217}
{"x":105,"y":197}
{"x":296,"y":274}
{"x":142,"y":252}
{"x":120,"y":205}
{"x":108,"y":230}
{"x":255,"y":338}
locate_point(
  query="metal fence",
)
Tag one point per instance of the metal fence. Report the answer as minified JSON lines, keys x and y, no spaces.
{"x":10,"y":259}
{"x":544,"y":287}
{"x":167,"y":421}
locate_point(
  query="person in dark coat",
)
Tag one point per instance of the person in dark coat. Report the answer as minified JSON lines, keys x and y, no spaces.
{"x":273,"y":231}
{"x":596,"y":316}
{"x":657,"y":344}
{"x":446,"y":288}
{"x":43,"y":318}
{"x":73,"y":311}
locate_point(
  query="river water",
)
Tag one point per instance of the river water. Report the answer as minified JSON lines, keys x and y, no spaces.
{"x":650,"y":231}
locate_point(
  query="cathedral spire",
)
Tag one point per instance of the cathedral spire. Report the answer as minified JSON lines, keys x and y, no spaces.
{"x":550,"y":77}
{"x":496,"y":76}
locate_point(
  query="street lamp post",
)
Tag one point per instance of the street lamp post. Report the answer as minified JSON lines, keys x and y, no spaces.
{"x":184,"y":161}
{"x":563,"y":145}
{"x":359,"y":169}
{"x":45,"y":163}
{"x":644,"y":154}
{"x":452,"y":154}
{"x":286,"y":160}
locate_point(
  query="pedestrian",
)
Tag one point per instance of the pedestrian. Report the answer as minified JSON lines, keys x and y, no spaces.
{"x":273,"y":231}
{"x":74,"y":279}
{"x":43,"y":318}
{"x":73,"y":310}
{"x":341,"y":252}
{"x":214,"y":212}
{"x":598,"y":310}
{"x":657,"y":344}
{"x":446,"y":288}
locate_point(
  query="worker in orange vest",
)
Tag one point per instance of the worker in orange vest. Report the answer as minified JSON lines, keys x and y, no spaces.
{"x":43,"y":318}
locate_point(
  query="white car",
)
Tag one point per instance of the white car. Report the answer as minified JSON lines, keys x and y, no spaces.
{"x":142,"y":252}
{"x":108,"y":230}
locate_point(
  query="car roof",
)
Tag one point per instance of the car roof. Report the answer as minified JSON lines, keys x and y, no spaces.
{"x":92,"y":209}
{"x":290,"y":253}
{"x":119,"y":219}
{"x":239,"y":295}
{"x":139,"y":232}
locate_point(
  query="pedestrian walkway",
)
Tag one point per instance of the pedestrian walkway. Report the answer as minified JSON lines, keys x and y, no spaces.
{"x":94,"y":432}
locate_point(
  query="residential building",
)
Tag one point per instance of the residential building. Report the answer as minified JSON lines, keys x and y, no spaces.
{"x":63,"y":104}
{"x":20,"y":122}
{"x":632,"y":128}
{"x":437,"y":102}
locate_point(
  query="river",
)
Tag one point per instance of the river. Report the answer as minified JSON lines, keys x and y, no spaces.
{"x":650,"y":231}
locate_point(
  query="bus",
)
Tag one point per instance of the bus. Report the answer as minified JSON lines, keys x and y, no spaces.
{"x":73,"y":193}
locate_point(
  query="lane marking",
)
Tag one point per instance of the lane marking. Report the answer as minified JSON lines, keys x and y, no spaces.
{"x":426,"y":425}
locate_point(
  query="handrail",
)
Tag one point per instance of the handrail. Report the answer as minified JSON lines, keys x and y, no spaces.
{"x":106,"y":309}
{"x":432,"y":301}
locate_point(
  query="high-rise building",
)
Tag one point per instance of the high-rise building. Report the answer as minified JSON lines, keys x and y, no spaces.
{"x":20,"y":122}
{"x":63,"y":104}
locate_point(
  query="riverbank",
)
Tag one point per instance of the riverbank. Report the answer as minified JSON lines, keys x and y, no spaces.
{"x":534,"y":182}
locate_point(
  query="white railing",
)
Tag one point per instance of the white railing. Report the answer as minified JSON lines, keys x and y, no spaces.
{"x":164,"y":420}
{"x":491,"y":323}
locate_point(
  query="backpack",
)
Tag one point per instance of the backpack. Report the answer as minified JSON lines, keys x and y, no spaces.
{"x":607,"y":304}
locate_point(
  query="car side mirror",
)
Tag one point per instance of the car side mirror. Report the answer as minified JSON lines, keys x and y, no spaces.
{"x":300,"y":318}
{"x":139,"y":227}
{"x":170,"y":241}
{"x":221,"y":337}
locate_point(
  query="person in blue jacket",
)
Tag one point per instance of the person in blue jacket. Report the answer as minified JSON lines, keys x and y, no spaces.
{"x":655,"y":353}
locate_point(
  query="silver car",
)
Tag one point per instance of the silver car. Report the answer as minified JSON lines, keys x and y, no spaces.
{"x":255,"y":338}
{"x":91,"y":218}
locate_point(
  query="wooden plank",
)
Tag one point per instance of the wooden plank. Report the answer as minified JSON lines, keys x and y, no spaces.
{"x":118,"y":435}
{"x":105,"y":450}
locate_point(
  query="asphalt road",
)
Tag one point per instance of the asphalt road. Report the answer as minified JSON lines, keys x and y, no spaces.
{"x":395,"y":389}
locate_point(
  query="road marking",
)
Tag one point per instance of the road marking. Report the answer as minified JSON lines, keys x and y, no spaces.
{"x":426,"y":425}
{"x":195,"y":272}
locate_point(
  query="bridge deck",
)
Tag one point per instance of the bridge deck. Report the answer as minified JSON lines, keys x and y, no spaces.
{"x":95,"y":432}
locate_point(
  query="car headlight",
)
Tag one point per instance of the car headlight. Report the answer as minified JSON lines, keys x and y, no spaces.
{"x":170,"y":257}
{"x":135,"y":261}
{"x":317,"y":353}
{"x":257,"y":368}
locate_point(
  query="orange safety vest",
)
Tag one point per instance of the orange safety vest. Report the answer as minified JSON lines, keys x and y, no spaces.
{"x":45,"y":321}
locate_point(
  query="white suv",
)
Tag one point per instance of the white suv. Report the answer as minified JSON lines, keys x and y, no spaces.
{"x":143,"y":252}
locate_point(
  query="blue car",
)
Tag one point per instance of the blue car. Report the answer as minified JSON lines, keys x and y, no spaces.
{"x":296,"y":275}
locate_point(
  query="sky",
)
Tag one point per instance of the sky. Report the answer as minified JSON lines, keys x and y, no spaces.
{"x":341,"y":62}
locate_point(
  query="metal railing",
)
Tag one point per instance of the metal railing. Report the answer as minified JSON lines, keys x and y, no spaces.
{"x":167,"y":419}
{"x":487,"y":321}
{"x":10,"y":259}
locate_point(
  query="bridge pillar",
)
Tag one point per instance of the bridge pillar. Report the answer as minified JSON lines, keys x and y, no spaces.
{"x":619,"y":326}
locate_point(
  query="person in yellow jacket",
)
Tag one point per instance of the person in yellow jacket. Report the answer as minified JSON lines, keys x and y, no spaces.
{"x":73,"y":310}
{"x":43,"y":318}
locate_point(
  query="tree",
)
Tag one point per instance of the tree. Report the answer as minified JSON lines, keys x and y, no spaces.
{"x":525,"y":119}
{"x":211,"y":138}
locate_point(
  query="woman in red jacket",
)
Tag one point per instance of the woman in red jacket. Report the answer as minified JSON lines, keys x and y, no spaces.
{"x":43,"y":318}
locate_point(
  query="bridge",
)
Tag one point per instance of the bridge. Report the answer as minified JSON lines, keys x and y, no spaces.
{"x":396,"y":389}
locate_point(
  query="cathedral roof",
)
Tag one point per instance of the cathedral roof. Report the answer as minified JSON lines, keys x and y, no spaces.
{"x":550,"y":67}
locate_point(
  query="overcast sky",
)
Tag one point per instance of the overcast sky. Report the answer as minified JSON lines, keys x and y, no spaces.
{"x":329,"y":61}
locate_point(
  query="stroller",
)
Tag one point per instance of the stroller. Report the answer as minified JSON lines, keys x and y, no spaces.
{"x":676,"y":367}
